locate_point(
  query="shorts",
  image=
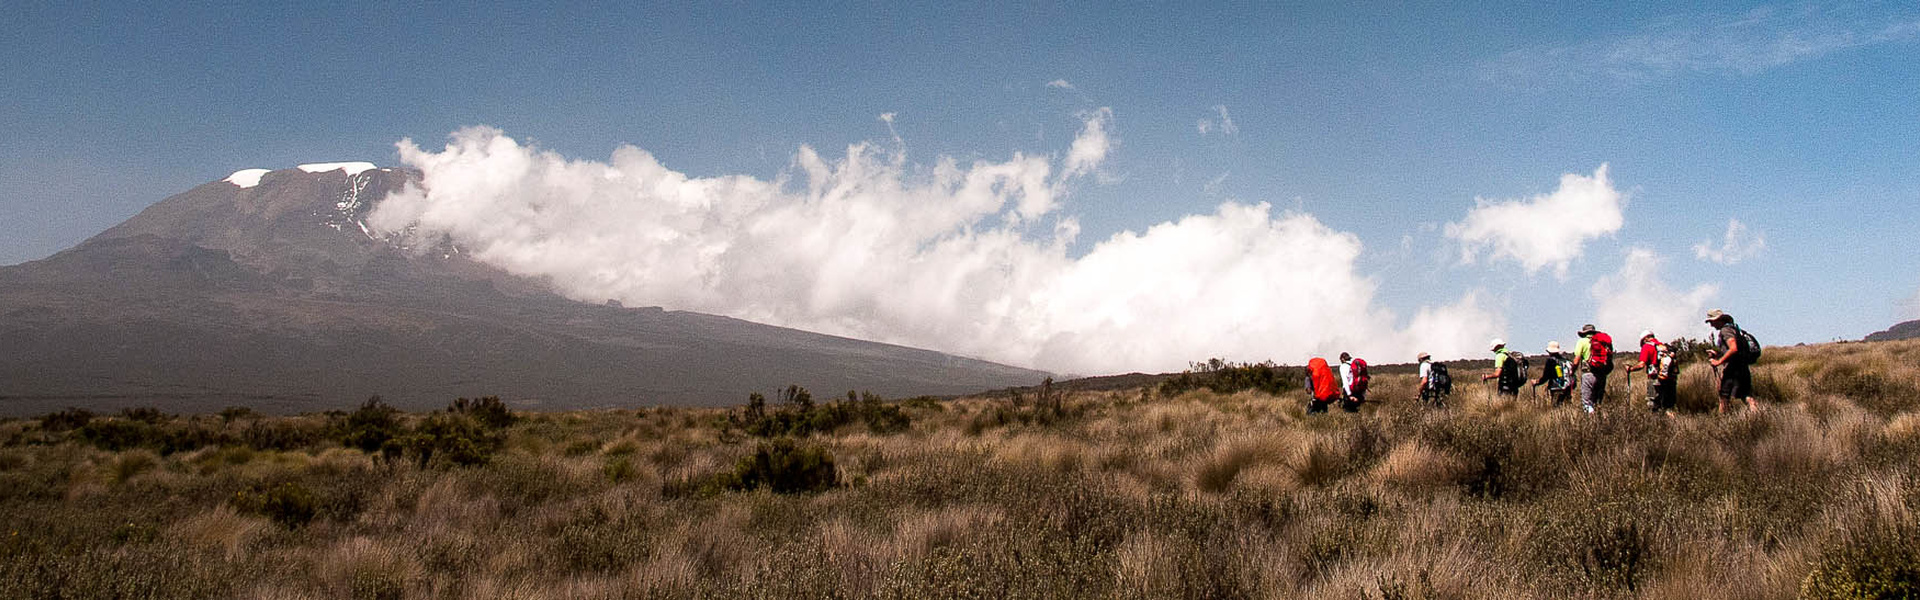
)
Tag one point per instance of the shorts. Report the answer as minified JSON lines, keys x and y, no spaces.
{"x":1736,"y":382}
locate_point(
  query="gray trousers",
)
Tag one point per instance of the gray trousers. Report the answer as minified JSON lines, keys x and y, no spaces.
{"x":1593,"y":388}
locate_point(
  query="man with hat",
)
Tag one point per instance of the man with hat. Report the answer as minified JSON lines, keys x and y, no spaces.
{"x":1735,"y":361}
{"x":1594,"y":356}
{"x":1430,"y":391}
{"x":1505,"y":368}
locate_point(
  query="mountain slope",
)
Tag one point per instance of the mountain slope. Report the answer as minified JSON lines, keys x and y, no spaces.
{"x":274,"y":295}
{"x":1903,"y":331}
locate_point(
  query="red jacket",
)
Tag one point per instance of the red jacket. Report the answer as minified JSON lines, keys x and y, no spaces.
{"x":1649,"y":354}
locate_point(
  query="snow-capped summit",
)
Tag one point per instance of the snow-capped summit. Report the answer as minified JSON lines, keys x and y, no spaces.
{"x":352,"y":168}
{"x":246,"y":178}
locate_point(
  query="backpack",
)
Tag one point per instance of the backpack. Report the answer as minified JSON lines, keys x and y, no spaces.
{"x":1360,"y":377}
{"x":1601,"y":346}
{"x":1510,"y":372}
{"x":1437,"y":378}
{"x":1557,"y":371}
{"x":1749,"y":346}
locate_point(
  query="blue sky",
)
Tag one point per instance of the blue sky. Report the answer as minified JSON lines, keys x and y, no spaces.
{"x":1383,"y":121}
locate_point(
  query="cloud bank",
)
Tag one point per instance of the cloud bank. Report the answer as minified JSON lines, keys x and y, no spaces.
{"x":1637,"y":297}
{"x":974,"y":259}
{"x":1739,"y":243}
{"x":1545,"y":231}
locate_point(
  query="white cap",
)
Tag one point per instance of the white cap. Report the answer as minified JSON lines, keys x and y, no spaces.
{"x":1496,"y":343}
{"x":1646,"y":333}
{"x":1553,"y":346}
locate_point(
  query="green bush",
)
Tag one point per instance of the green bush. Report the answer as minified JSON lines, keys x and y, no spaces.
{"x":1879,"y":564}
{"x":289,"y":504}
{"x":448,"y":440}
{"x":799,"y":416}
{"x":488,"y":411}
{"x":784,"y":467}
{"x":71,"y":418}
{"x":371,"y":426}
{"x":144,"y":414}
{"x":1223,"y":377}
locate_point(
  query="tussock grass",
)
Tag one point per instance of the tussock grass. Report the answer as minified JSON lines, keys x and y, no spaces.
{"x":1160,"y":492}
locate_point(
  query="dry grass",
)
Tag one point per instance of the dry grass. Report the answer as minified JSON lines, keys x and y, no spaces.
{"x":1118,"y":494}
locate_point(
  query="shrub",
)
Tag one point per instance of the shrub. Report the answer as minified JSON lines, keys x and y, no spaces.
{"x":371,"y":426}
{"x":235,"y":413}
{"x":1223,"y":377}
{"x":143,"y":414}
{"x":799,"y":416}
{"x":488,"y":411}
{"x":449,"y":440}
{"x":71,"y":418}
{"x":115,"y":434}
{"x":289,"y":504}
{"x":1879,"y":564}
{"x":784,"y":467}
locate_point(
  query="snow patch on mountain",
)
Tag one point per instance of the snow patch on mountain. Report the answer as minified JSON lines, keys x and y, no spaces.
{"x":352,"y":168}
{"x":246,"y":178}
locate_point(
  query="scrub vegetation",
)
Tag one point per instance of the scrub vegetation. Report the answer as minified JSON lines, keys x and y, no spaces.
{"x":1216,"y":486}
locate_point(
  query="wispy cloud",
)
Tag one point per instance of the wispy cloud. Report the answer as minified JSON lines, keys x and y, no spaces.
{"x":1060,"y":84}
{"x":1739,"y":243}
{"x":1545,"y":231}
{"x":1743,"y":44}
{"x":1224,"y":124}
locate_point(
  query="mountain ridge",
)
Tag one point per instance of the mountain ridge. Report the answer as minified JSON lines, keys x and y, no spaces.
{"x":276,"y":296}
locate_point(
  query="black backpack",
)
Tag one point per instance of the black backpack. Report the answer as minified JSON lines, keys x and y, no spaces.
{"x":1749,"y":346}
{"x":1437,"y":378}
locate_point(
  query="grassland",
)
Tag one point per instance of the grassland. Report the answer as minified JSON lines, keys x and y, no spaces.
{"x":1129,"y":493}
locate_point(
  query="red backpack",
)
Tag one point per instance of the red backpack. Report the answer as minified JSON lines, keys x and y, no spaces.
{"x":1601,"y":345}
{"x":1360,"y":377}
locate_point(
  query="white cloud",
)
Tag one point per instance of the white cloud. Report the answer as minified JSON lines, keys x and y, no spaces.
{"x":1636,"y":297}
{"x":1742,"y":44}
{"x":1224,"y":124}
{"x":1090,"y":148}
{"x":1910,"y":308}
{"x":1060,"y":84}
{"x":1739,"y":243}
{"x":944,"y":256}
{"x":1544,"y":231}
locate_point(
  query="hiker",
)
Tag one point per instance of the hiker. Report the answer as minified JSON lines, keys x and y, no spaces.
{"x":1663,"y":375}
{"x":1353,"y":382}
{"x":1323,"y":386}
{"x":1557,"y":375}
{"x":1649,"y":354}
{"x":1739,"y":350}
{"x":1506,"y":369}
{"x":1594,"y":357}
{"x":1435,"y":384}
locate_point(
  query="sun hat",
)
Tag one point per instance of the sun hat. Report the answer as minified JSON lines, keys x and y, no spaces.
{"x":1646,"y":333}
{"x":1423,"y":356}
{"x":1553,"y":346}
{"x":1587,"y":330}
{"x":1497,"y":343}
{"x":1717,"y":315}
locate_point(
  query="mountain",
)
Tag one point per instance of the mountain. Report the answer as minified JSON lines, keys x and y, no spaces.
{"x":267,"y":290}
{"x":1904,"y":331}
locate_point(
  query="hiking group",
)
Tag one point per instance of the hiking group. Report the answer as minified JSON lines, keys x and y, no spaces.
{"x":1732,"y":353}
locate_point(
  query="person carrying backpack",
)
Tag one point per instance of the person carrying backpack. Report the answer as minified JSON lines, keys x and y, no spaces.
{"x":1557,"y":375}
{"x":1664,"y":375}
{"x":1649,"y":354}
{"x":1594,"y":356}
{"x":1323,"y":386}
{"x":1506,"y":369}
{"x":1435,"y":383}
{"x":1353,"y":382}
{"x":1738,"y":351}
